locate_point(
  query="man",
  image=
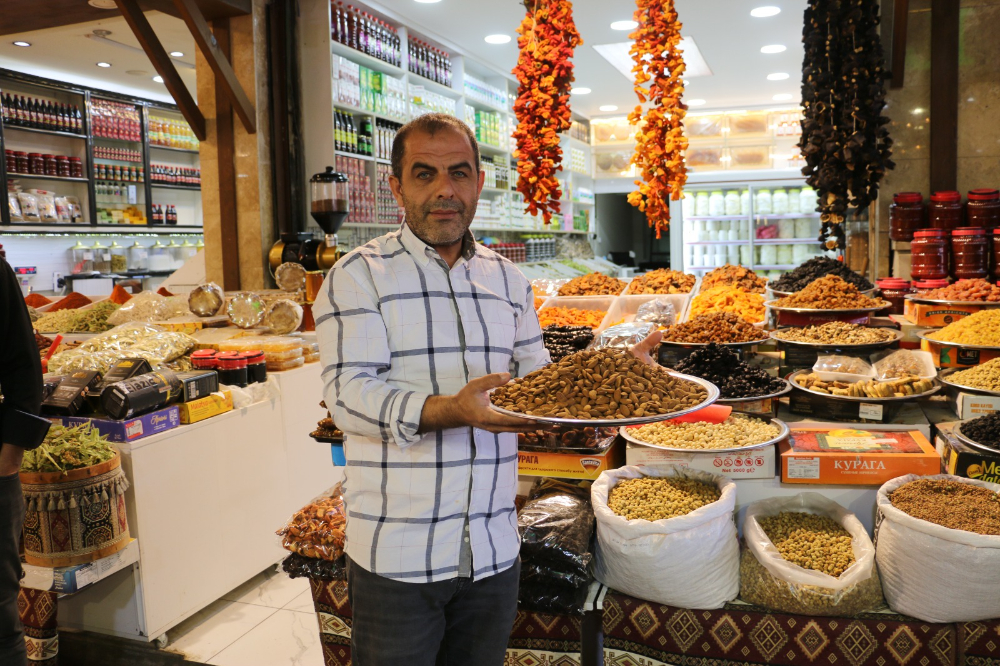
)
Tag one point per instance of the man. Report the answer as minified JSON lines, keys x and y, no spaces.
{"x":20,"y":429}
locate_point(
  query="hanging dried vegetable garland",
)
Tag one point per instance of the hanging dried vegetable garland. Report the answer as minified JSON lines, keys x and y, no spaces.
{"x":845,"y":140}
{"x":660,"y":140}
{"x":544,"y":74}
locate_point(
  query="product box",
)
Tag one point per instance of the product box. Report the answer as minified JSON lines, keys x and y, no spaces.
{"x":198,"y":384}
{"x":965,"y":461}
{"x":69,"y":397}
{"x":855,"y":457}
{"x":571,"y":465}
{"x":207,"y":407}
{"x":810,"y":404}
{"x":910,"y":417}
{"x":970,"y":405}
{"x":754,"y":464}
{"x":936,"y":314}
{"x":950,"y":356}
{"x":67,"y":580}
{"x":909,"y":329}
{"x":132,"y":429}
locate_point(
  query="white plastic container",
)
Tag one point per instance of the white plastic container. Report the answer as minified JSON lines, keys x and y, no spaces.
{"x":779,"y":202}
{"x":745,"y":202}
{"x":625,"y":307}
{"x":784,"y":254}
{"x":794,"y":204}
{"x":716,"y":203}
{"x":746,"y":254}
{"x":786,"y":228}
{"x":805,"y":228}
{"x":807,"y":200}
{"x":732,"y":202}
{"x":768,"y":255}
{"x":688,"y":204}
{"x":701,"y":204}
{"x":733,"y":254}
{"x":762,"y":204}
{"x":581,"y":303}
{"x":801,"y":253}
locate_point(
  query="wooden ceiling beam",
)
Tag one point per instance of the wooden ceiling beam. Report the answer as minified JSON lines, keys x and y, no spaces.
{"x":19,"y":16}
{"x":900,"y":23}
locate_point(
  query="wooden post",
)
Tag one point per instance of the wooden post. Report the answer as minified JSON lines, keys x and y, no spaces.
{"x":944,"y":95}
{"x":226,"y":150}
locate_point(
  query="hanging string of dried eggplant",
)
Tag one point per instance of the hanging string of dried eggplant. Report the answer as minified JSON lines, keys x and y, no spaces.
{"x":845,"y":141}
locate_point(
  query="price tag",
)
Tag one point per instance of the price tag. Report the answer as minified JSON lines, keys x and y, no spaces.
{"x":132,"y":198}
{"x":867,"y":410}
{"x":803,"y":468}
{"x":88,"y":256}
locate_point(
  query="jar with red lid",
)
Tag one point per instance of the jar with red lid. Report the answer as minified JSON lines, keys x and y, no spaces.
{"x":983,"y":209}
{"x":204,"y":359}
{"x":36,"y":164}
{"x":75,"y":167}
{"x":927,"y":285}
{"x":894,"y":290}
{"x":256,"y":366}
{"x":51,"y":166}
{"x":929,"y":254}
{"x":232,"y":367}
{"x":996,"y":254}
{"x":22,"y":161}
{"x":970,"y":253}
{"x":62,"y":166}
{"x":10,"y":161}
{"x":906,"y":215}
{"x":945,"y":211}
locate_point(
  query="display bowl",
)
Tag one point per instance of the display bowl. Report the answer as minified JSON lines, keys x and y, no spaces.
{"x":916,"y":298}
{"x":897,"y":336}
{"x":697,"y":345}
{"x":782,"y":434}
{"x":782,"y":294}
{"x":971,"y":443}
{"x":832,"y":311}
{"x":778,"y":394}
{"x":945,"y":377}
{"x":922,"y":334}
{"x":847,"y":398}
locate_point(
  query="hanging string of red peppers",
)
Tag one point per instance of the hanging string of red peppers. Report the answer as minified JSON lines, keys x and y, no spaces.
{"x":660,"y":140}
{"x":544,"y":74}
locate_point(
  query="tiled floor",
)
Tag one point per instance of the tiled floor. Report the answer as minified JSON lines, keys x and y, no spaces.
{"x":267,"y":621}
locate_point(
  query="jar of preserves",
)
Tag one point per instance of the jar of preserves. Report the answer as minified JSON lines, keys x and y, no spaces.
{"x":22,"y":161}
{"x":970,"y":253}
{"x":927,"y":285}
{"x":51,"y":166}
{"x":996,"y":254}
{"x":75,"y":167}
{"x":945,"y":211}
{"x":232,"y":367}
{"x":983,"y":209}
{"x":906,"y":215}
{"x":36,"y":164}
{"x":10,"y":161}
{"x":256,"y":366}
{"x":204,"y":359}
{"x":62,"y":166}
{"x":929,"y":254}
{"x":894,"y":290}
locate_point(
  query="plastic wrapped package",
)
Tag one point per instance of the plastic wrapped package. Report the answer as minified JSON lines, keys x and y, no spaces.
{"x":14,"y":206}
{"x":659,"y":311}
{"x":290,"y":276}
{"x":546,"y":597}
{"x":289,"y":364}
{"x":582,"y":440}
{"x":136,"y":340}
{"x":298,"y":566}
{"x":246,"y":309}
{"x":767,"y":579}
{"x":546,"y":288}
{"x":317,"y":529}
{"x":283,"y":316}
{"x":146,"y":306}
{"x":623,"y":336}
{"x":206,"y":300}
{"x":29,"y":206}
{"x":276,"y":348}
{"x":310,"y":352}
{"x":47,"y":208}
{"x":903,"y":362}
{"x":556,"y":526}
{"x":62,"y":210}
{"x":846,"y":365}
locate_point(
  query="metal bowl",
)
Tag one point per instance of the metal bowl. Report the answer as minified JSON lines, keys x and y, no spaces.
{"x":782,"y":294}
{"x":782,"y":426}
{"x":847,"y":398}
{"x":897,"y":336}
{"x":771,"y":304}
{"x":945,"y":377}
{"x":749,"y":398}
{"x":972,"y":443}
{"x":916,"y":298}
{"x":922,"y":335}
{"x":696,"y":345}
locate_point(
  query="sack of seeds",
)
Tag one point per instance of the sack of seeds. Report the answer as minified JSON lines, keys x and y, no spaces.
{"x":807,"y":554}
{"x":666,"y":534}
{"x":937,"y":544}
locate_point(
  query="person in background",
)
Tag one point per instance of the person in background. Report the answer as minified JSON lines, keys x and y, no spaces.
{"x":20,"y":429}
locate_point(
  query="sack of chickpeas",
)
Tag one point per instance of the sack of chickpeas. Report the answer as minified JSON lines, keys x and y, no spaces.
{"x":667,"y":534}
{"x":937,"y":543}
{"x":808,"y":555}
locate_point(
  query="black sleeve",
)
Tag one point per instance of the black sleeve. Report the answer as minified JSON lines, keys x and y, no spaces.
{"x":20,"y":367}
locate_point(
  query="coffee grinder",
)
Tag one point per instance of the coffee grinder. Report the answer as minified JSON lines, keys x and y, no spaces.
{"x":329,"y":206}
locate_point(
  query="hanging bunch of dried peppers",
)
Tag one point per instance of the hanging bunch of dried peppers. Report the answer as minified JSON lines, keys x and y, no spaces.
{"x":544,"y":74}
{"x":845,"y":141}
{"x":660,"y":140}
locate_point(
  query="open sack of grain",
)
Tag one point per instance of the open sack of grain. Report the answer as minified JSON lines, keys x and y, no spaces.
{"x":667,"y":534}
{"x":807,"y":554}
{"x":934,"y":572}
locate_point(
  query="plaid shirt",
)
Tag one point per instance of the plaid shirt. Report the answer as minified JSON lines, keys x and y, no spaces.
{"x":395,"y":326}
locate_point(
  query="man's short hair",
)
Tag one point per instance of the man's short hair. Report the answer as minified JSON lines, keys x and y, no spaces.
{"x":430,"y":123}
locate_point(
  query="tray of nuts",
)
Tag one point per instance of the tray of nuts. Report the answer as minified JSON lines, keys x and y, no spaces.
{"x":947,"y":343}
{"x":603,"y":387}
{"x":968,"y":441}
{"x":874,"y":308}
{"x":838,"y":335}
{"x":948,"y":378}
{"x":739,"y":432}
{"x":905,"y":388}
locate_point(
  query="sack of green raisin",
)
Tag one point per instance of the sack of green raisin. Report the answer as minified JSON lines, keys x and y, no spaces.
{"x":808,"y":555}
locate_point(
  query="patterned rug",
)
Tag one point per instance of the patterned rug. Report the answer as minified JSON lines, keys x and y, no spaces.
{"x":979,"y":643}
{"x":37,"y":610}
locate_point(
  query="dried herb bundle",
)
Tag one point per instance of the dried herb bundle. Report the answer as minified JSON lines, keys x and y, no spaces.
{"x":66,"y":448}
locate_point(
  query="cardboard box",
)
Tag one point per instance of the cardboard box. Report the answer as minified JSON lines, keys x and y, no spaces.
{"x":809,"y":404}
{"x":971,"y":405}
{"x":910,"y":417}
{"x":131,"y":429}
{"x":67,"y":580}
{"x":949,"y":356}
{"x":754,"y":464}
{"x":909,"y":329}
{"x":571,"y":465}
{"x":936,"y":314}
{"x":965,"y":461}
{"x":205,"y":408}
{"x":855,"y":457}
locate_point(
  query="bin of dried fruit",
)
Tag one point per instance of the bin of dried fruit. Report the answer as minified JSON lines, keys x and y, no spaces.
{"x":964,"y":291}
{"x":803,"y":275}
{"x":726,"y":298}
{"x":593,"y":284}
{"x":735,"y":378}
{"x":903,"y":388}
{"x":828,"y":293}
{"x":981,"y":329}
{"x":734,"y":276}
{"x":721,"y":327}
{"x":563,"y":340}
{"x":738,"y":431}
{"x":983,"y":431}
{"x":661,"y":281}
{"x":837,"y":334}
{"x":565,"y":316}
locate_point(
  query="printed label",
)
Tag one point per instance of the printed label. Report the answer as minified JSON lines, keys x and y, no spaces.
{"x":803,"y":468}
{"x":868,"y":410}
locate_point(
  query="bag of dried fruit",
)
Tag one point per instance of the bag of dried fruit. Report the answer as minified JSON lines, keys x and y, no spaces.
{"x":937,"y":544}
{"x":666,"y":534}
{"x":808,"y":555}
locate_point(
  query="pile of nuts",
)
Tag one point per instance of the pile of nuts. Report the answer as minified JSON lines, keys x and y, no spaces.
{"x":650,"y":498}
{"x":829,"y":293}
{"x":952,"y":504}
{"x":801,"y":276}
{"x":981,"y":328}
{"x":599,"y":384}
{"x":662,"y":281}
{"x":723,"y":367}
{"x":985,"y":377}
{"x":811,"y":541}
{"x":734,"y":276}
{"x":561,"y":341}
{"x":560,"y":316}
{"x":965,"y":290}
{"x":984,"y":430}
{"x":736,"y":431}
{"x":725,"y":298}
{"x":836,"y":333}
{"x":714,"y":327}
{"x":592,"y":284}
{"x":896,"y":388}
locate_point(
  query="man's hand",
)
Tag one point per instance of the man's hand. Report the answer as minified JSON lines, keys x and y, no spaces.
{"x":10,"y":459}
{"x":471,"y":407}
{"x":644,"y":350}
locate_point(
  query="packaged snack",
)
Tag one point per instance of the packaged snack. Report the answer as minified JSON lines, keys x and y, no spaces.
{"x":15,"y":207}
{"x":29,"y":207}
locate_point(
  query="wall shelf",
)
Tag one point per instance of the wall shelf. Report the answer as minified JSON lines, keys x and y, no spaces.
{"x":38,"y":130}
{"x":174,"y":150}
{"x":33,"y":176}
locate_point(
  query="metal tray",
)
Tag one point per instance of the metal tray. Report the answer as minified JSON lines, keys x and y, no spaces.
{"x":897,"y":336}
{"x":771,"y":304}
{"x":749,"y":398}
{"x":973,"y":444}
{"x":922,"y":336}
{"x":937,"y":301}
{"x":782,"y":294}
{"x":782,"y":426}
{"x":846,"y":398}
{"x":695,"y":345}
{"x":713,"y":395}
{"x":945,"y":375}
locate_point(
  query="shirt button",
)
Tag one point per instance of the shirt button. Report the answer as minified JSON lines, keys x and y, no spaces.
{"x":466,"y":539}
{"x":466,"y":528}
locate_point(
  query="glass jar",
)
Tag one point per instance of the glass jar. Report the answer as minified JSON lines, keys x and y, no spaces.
{"x":929,"y":253}
{"x":102,"y":257}
{"x":716,"y":203}
{"x":159,"y":257}
{"x":36,"y":164}
{"x":119,"y":262}
{"x":701,"y":204}
{"x":256,"y":366}
{"x":779,"y":202}
{"x":62,"y":166}
{"x":983,"y":209}
{"x":138,"y":257}
{"x":177,"y":257}
{"x":808,"y":200}
{"x":894,"y":290}
{"x":732,"y":202}
{"x":75,"y":167}
{"x":204,"y":359}
{"x":970,"y":253}
{"x":51,"y":165}
{"x":794,"y":202}
{"x":906,"y":215}
{"x":232,"y":368}
{"x":945,"y":211}
{"x":81,"y":259}
{"x":188,"y":249}
{"x":762,"y":203}
{"x":22,"y":162}
{"x":745,"y":202}
{"x":10,"y":161}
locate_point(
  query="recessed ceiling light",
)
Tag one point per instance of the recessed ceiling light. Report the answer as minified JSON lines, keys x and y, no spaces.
{"x":158,"y":79}
{"x":783,"y":97}
{"x":177,"y":54}
{"x":497,"y":39}
{"x":777,"y":76}
{"x":104,"y":64}
{"x":773,"y":48}
{"x":617,"y":54}
{"x":580,"y":91}
{"x":764,"y":12}
{"x":695,"y":102}
{"x":609,"y":107}
{"x":22,"y":43}
{"x":624,"y":25}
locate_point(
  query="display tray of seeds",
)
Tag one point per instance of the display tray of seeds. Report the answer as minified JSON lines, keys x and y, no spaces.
{"x":654,"y":498}
{"x":838,"y":335}
{"x":868,"y":390}
{"x":982,"y":379}
{"x":925,"y":335}
{"x":952,"y":504}
{"x":738,"y":433}
{"x":981,"y":433}
{"x":605,"y":387}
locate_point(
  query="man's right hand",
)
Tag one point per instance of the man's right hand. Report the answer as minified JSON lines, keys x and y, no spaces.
{"x":471,"y":407}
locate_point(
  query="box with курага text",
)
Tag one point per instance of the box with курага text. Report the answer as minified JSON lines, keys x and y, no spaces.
{"x":560,"y":465}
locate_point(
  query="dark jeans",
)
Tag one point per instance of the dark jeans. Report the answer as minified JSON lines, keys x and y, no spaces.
{"x":448,"y":623}
{"x":12,"y":652}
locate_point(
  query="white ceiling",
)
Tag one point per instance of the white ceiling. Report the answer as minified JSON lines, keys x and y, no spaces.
{"x":67,"y":54}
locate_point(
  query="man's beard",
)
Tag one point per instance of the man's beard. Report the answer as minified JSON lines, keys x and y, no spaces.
{"x":438,"y":233}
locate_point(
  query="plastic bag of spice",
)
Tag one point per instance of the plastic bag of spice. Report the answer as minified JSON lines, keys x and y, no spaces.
{"x":317,"y":529}
{"x":556,"y":526}
{"x":145,"y":306}
{"x":768,"y":579}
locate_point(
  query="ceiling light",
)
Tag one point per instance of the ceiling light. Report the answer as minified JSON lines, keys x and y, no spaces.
{"x":777,"y":76}
{"x":783,"y":97}
{"x":917,"y":111}
{"x":624,"y":25}
{"x":764,"y":12}
{"x":428,"y":2}
{"x":104,"y":64}
{"x":618,"y":55}
{"x":158,"y":79}
{"x":773,"y":48}
{"x":609,"y":107}
{"x":695,"y":102}
{"x":497,"y":39}
{"x":22,"y":43}
{"x":102,"y":4}
{"x":580,"y":91}
{"x":176,"y":54}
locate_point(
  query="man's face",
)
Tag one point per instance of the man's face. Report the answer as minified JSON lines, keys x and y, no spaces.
{"x":440,"y":186}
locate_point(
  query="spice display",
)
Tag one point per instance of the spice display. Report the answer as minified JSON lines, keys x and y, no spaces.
{"x":65,"y":448}
{"x":735,"y":432}
{"x":592,"y":284}
{"x":871,"y":389}
{"x":951,"y":504}
{"x":801,"y":276}
{"x":829,"y":293}
{"x":836,"y":333}
{"x":561,"y":316}
{"x":317,"y":529}
{"x":981,"y":328}
{"x":723,"y":367}
{"x":42,"y":342}
{"x":659,"y":81}
{"x":985,"y":376}
{"x":91,"y":320}
{"x":563,"y":340}
{"x":544,"y":71}
{"x":726,"y":298}
{"x":601,"y":384}
{"x":811,"y":541}
{"x":61,"y":321}
{"x":539,"y":302}
{"x":662,"y":281}
{"x":33,"y":314}
{"x":70,"y":301}
{"x":984,"y":430}
{"x":35,"y":300}
{"x":206,"y":299}
{"x":734,"y":276}
{"x":567,"y":438}
{"x":975,"y":289}
{"x":119,"y":295}
{"x":714,"y":327}
{"x":649,"y":498}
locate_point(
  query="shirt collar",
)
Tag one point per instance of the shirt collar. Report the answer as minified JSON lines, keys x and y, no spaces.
{"x":423,"y":252}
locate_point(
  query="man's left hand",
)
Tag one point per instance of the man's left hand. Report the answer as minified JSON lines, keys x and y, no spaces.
{"x":644,"y":350}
